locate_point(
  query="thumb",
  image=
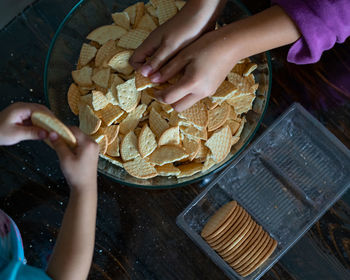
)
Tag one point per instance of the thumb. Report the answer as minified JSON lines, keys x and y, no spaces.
{"x":59,"y":146}
{"x":31,"y":133}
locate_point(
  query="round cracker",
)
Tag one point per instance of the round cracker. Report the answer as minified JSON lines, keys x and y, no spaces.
{"x":259,"y":255}
{"x":261,"y":260}
{"x":250,"y":247}
{"x":218,"y":219}
{"x":245,"y":244}
{"x":50,"y":123}
{"x":223,"y":229}
{"x":225,"y":249}
{"x":253,"y":254}
{"x":244,"y":241}
{"x":217,"y":239}
{"x":231,"y":241}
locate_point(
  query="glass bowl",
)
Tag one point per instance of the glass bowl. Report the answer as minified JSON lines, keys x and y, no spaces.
{"x":62,"y":57}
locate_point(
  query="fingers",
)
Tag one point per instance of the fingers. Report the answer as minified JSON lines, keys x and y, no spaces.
{"x":83,"y":141}
{"x":169,"y":70}
{"x":186,"y":102}
{"x":31,"y":133}
{"x":60,"y":147}
{"x":146,"y":49}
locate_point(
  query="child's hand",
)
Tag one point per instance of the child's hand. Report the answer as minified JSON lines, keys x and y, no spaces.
{"x":168,"y":39}
{"x":79,"y":166}
{"x":206,"y":63}
{"x":15,"y":124}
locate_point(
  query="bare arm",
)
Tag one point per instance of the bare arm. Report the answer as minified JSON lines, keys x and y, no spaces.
{"x":71,"y":259}
{"x":208,"y":60}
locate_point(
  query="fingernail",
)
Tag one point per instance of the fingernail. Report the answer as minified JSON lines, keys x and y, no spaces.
{"x":42,"y":134}
{"x":53,"y":136}
{"x":146,"y":70}
{"x":155,"y":78}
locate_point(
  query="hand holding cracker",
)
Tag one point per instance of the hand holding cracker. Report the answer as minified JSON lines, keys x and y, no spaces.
{"x":168,"y":39}
{"x":204,"y":66}
{"x":16,"y":126}
{"x":79,"y":165}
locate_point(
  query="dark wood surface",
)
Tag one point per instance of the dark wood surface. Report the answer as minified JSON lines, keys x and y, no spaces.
{"x":137,"y":237}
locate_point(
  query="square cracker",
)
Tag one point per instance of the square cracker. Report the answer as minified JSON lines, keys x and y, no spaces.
{"x":128,"y":96}
{"x":133,"y":39}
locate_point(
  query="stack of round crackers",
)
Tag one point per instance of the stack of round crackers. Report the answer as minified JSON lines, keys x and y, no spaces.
{"x":238,"y":239}
{"x":118,"y":109}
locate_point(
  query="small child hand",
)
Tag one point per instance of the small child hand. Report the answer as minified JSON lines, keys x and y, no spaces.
{"x":15,"y":124}
{"x":79,"y":166}
{"x":168,"y":39}
{"x":205,"y":63}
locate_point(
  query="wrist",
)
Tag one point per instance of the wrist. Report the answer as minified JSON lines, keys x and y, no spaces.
{"x":83,"y":189}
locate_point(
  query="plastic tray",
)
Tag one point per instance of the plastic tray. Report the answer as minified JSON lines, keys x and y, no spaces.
{"x":286,"y":180}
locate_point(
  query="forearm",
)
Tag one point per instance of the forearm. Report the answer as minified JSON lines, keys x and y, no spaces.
{"x":264,"y":31}
{"x":73,"y":251}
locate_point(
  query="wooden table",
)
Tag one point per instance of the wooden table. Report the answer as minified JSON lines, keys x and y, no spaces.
{"x":137,"y":237}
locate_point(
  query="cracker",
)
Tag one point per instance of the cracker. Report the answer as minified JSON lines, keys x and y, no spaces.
{"x":224,"y":92}
{"x":140,"y":168}
{"x":101,"y":77}
{"x":197,"y":115}
{"x":168,"y":170}
{"x":191,"y":147}
{"x":194,"y":133}
{"x":242,"y":103}
{"x":107,"y":32}
{"x":202,"y":153}
{"x":73,"y":97}
{"x":234,"y":125}
{"x":189,"y":169}
{"x":128,"y":147}
{"x":103,"y":144}
{"x":220,"y":143}
{"x":146,"y":141}
{"x":113,"y":148}
{"x":122,"y":19}
{"x":147,"y":96}
{"x":131,"y":11}
{"x":85,"y":100}
{"x":120,"y":62}
{"x":142,"y":82}
{"x":105,"y":52}
{"x":111,"y":132}
{"x":146,"y":23}
{"x":209,"y":163}
{"x":82,"y":77}
{"x":174,"y":120}
{"x":239,"y":68}
{"x":171,"y":136}
{"x":166,"y":9}
{"x":167,"y":108}
{"x":167,"y":154}
{"x":140,"y":11}
{"x":89,"y":123}
{"x":249,"y":68}
{"x":241,"y":126}
{"x":87,"y":53}
{"x":157,"y":123}
{"x":218,"y":116}
{"x":218,"y":219}
{"x":110,"y":114}
{"x":128,"y":96}
{"x":133,"y":119}
{"x":209,"y":103}
{"x":112,"y":97}
{"x":180,"y":4}
{"x":151,"y":10}
{"x":133,"y":39}
{"x":114,"y":160}
{"x":244,"y":85}
{"x":99,"y":100}
{"x":50,"y":123}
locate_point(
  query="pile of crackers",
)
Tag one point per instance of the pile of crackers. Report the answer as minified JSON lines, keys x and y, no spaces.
{"x":238,"y":239}
{"x":118,"y":108}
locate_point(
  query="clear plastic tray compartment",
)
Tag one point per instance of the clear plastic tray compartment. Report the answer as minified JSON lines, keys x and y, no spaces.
{"x":286,"y":181}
